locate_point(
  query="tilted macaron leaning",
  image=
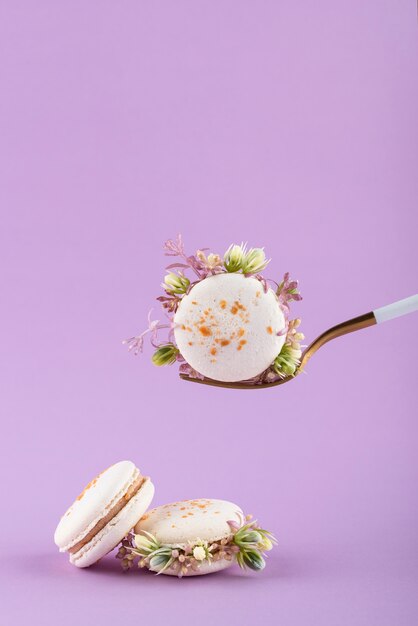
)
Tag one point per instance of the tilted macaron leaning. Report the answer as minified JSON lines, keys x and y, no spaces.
{"x":104,"y":513}
{"x":195,"y":537}
{"x":226,"y":322}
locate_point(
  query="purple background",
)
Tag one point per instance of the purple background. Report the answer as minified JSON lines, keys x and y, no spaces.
{"x":288,"y":124}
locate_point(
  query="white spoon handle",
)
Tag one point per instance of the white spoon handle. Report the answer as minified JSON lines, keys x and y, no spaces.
{"x":396,"y":309}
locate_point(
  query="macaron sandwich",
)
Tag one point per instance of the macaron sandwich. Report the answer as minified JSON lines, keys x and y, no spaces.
{"x":104,"y":513}
{"x":226,"y":320}
{"x":187,"y":538}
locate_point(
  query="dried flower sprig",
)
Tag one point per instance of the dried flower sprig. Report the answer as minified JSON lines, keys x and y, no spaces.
{"x":287,"y":291}
{"x":247,"y":544}
{"x":176,"y":248}
{"x":210,"y":264}
{"x":188,"y":370}
{"x":136,"y":344}
{"x":170,"y":303}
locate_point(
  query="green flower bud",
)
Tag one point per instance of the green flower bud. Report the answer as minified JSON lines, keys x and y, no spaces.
{"x":158,"y":561}
{"x":254,"y":261}
{"x":176,"y":283}
{"x":165,"y":355}
{"x":250,"y":537}
{"x":287,"y":368}
{"x":143,"y":544}
{"x":287,"y":362}
{"x":253,"y":560}
{"x":265,"y":544}
{"x":233,"y":258}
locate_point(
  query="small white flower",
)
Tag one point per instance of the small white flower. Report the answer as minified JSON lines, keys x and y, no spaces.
{"x":212,"y":262}
{"x":199,"y":553}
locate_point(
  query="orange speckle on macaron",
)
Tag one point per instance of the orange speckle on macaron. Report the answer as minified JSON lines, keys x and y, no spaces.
{"x":240,"y":306}
{"x":91,"y":484}
{"x":269,"y":330}
{"x":205,"y":331}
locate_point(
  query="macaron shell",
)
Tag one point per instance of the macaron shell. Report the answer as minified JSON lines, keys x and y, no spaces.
{"x":95,"y":501}
{"x":226,"y":327}
{"x":204,"y":568}
{"x":181,"y":523}
{"x":109,"y":537}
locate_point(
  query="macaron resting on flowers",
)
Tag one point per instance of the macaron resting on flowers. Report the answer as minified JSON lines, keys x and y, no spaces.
{"x":104,"y":513}
{"x":225,"y":322}
{"x":196,"y":537}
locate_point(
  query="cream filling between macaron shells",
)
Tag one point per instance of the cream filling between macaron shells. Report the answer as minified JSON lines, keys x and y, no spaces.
{"x":119,"y":497}
{"x":113,"y":512}
{"x":111,"y":534}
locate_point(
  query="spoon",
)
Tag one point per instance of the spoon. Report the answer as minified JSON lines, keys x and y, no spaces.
{"x":383,"y":314}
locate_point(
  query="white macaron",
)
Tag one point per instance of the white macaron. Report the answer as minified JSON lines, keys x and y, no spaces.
{"x":106,"y":510}
{"x":229,"y":328}
{"x":195,"y":537}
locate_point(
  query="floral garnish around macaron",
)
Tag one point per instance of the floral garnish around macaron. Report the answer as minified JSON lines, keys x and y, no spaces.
{"x":217,"y":327}
{"x":246,"y":545}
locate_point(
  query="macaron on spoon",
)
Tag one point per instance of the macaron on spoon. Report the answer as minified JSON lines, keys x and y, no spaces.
{"x":106,"y":510}
{"x":227,"y":323}
{"x":196,"y":537}
{"x":230,"y":329}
